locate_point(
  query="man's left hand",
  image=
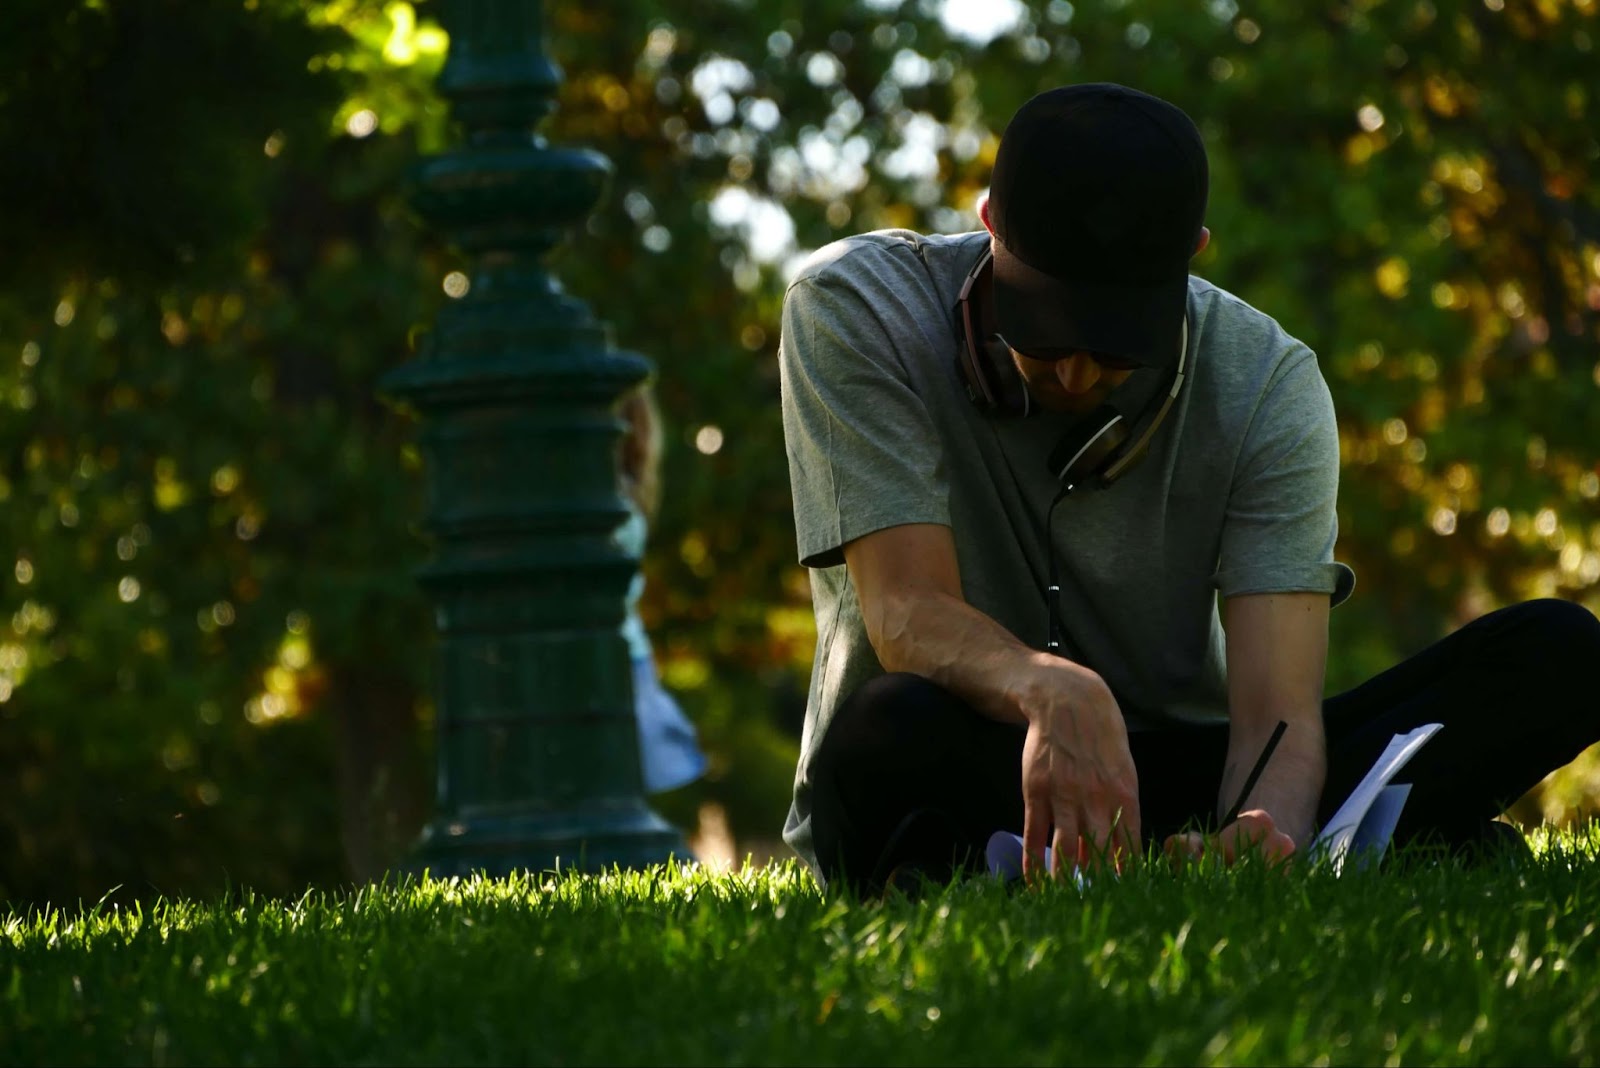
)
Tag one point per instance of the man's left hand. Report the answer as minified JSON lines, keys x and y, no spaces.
{"x":1254,"y":832}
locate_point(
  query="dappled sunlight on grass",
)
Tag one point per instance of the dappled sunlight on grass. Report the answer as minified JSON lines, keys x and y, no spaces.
{"x":759,"y":965}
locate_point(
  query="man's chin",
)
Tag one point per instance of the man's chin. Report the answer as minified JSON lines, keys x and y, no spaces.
{"x":1068,"y":403}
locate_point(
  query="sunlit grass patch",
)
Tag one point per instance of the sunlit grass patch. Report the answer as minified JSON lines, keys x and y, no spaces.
{"x":679,"y":965}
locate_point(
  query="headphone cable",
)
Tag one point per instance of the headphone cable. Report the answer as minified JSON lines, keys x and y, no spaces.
{"x":1054,"y":625}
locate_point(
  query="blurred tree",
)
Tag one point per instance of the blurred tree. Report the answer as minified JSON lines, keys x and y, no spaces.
{"x":134,"y":131}
{"x":209,"y":521}
{"x":209,"y":513}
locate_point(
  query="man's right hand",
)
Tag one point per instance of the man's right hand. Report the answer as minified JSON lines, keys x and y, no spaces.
{"x":1077,"y":773}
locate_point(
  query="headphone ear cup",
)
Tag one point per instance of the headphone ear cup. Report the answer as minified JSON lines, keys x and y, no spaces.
{"x":1005,"y":382}
{"x":979,"y":391}
{"x":991,"y":378}
{"x":1089,"y":447}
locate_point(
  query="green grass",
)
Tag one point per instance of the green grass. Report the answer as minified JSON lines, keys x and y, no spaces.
{"x":1435,"y":965}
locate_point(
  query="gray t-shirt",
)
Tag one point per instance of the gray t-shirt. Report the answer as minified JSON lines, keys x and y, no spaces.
{"x":1236,"y":495}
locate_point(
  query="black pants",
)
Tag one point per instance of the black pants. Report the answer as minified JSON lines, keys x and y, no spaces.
{"x":1515,"y":691}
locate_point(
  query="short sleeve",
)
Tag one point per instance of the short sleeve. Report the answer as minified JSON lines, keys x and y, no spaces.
{"x":863,"y":451}
{"x":1281,"y":521}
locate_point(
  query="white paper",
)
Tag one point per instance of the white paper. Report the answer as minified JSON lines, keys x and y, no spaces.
{"x":1372,"y":835}
{"x":1005,"y":858}
{"x":1340,"y":835}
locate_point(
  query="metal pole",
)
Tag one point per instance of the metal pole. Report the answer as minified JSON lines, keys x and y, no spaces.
{"x":538,"y":762}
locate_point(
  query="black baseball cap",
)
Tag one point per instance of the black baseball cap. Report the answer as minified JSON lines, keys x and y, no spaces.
{"x":1097,"y":200}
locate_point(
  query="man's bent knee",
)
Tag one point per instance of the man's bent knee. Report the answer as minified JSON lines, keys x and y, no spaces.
{"x":883,"y":714}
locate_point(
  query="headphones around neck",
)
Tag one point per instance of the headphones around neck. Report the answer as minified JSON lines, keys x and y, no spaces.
{"x":1099,"y":448}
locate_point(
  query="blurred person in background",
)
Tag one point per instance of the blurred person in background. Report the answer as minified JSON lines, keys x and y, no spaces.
{"x":669,"y":750}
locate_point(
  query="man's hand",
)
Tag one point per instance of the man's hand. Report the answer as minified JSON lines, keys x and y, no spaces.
{"x":1077,"y":771}
{"x":1253,"y":833}
{"x":1077,"y":774}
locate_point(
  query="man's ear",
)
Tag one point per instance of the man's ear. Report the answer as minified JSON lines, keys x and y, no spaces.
{"x":983,"y":214}
{"x":1205,"y":239}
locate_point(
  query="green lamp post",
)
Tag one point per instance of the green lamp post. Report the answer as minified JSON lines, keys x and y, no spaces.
{"x":538,"y":762}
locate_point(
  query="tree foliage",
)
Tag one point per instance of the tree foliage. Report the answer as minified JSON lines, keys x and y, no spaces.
{"x":212,"y":653}
{"x":211,"y":664}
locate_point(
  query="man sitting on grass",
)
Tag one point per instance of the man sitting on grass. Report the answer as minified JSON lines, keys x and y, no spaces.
{"x":942,"y":395}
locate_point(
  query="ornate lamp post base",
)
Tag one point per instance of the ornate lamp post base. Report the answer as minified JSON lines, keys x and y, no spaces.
{"x":588,"y":840}
{"x":517,"y":388}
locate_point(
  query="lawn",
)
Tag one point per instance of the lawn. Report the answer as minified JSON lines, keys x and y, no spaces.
{"x":1253,"y":966}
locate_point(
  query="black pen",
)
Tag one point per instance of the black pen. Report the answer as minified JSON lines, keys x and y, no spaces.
{"x":1255,"y":772}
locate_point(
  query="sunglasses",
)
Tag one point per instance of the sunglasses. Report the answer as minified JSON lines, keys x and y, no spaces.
{"x":1105,"y":360}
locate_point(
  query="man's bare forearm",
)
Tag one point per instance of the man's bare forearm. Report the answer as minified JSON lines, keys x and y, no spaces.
{"x":1277,"y":663}
{"x":952,"y":643}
